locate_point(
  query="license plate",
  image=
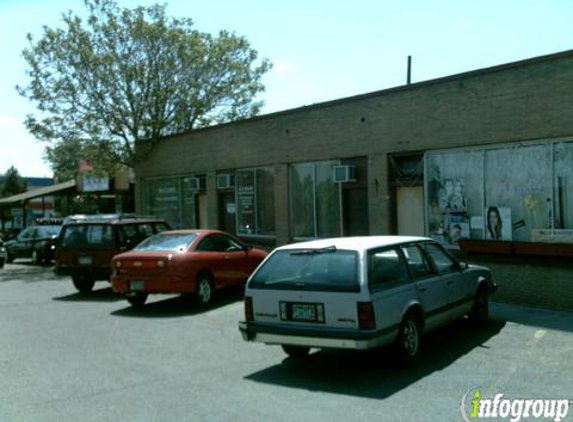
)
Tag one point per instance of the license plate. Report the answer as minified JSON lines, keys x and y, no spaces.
{"x":85,"y":260}
{"x":303,"y":312}
{"x":137,"y":285}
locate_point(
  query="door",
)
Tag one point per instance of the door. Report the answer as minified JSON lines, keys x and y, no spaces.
{"x":431,"y":287}
{"x":202,"y":211}
{"x":225,"y":258}
{"x":410,"y":210}
{"x":458,"y":288}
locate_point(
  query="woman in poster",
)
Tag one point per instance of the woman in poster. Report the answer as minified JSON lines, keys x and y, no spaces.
{"x":493,"y":223}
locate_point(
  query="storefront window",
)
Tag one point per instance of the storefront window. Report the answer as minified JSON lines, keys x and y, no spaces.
{"x":162,"y":199}
{"x":315,"y":200}
{"x":255,"y":201}
{"x":563,"y":186}
{"x":455,"y":193}
{"x":515,"y":193}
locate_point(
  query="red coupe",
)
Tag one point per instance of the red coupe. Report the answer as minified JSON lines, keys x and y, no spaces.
{"x":195,"y":262}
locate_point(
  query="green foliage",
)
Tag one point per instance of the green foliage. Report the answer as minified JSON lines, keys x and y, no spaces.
{"x":12,"y":183}
{"x":126,"y":75}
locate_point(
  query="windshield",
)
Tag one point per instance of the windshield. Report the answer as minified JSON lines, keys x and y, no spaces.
{"x":326,"y":269}
{"x":48,"y":231}
{"x":176,"y":242}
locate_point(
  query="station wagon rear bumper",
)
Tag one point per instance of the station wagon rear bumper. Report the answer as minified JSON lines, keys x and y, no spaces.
{"x":339,"y":339}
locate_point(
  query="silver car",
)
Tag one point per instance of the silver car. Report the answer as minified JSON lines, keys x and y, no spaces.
{"x":361,"y":293}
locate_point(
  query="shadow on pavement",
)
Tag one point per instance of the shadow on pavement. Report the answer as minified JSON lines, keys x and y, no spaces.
{"x":376,"y":374}
{"x":98,"y":295}
{"x":178,"y":306}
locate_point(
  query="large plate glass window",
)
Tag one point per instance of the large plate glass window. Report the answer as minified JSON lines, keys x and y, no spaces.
{"x":455,"y":195}
{"x":162,"y":199}
{"x":315,"y":200}
{"x":255,"y":201}
{"x":517,"y":191}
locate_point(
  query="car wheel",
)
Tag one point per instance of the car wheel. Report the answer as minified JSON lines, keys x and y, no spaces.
{"x":409,"y":338}
{"x":1,"y":263}
{"x":480,"y":309}
{"x":204,"y":291}
{"x":36,"y":260}
{"x":83,"y":283}
{"x":296,"y":352}
{"x":9,"y":257}
{"x":137,"y":299}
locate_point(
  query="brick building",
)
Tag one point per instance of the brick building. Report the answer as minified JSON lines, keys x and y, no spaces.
{"x":480,"y":159}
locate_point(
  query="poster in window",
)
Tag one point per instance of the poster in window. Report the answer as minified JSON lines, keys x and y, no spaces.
{"x":452,"y":195}
{"x":498,"y":223}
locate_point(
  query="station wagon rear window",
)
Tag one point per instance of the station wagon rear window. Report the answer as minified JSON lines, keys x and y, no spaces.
{"x":326,"y":269}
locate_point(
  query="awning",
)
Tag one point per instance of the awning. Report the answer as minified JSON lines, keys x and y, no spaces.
{"x":47,"y":191}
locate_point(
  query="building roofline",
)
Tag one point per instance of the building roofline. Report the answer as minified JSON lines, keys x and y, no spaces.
{"x":386,"y":91}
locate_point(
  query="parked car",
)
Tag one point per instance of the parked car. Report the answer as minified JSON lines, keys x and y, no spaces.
{"x":360,"y":293}
{"x":86,"y":245}
{"x":195,"y":262}
{"x":33,"y":242}
{"x":2,"y":253}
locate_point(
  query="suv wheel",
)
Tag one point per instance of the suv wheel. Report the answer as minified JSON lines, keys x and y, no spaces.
{"x":204,"y":291}
{"x":296,"y":352}
{"x":137,"y":299}
{"x":83,"y":283}
{"x":409,"y":338}
{"x":36,"y":259}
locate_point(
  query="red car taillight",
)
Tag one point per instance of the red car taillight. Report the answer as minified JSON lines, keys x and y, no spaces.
{"x":249,"y":309}
{"x":366,"y":318}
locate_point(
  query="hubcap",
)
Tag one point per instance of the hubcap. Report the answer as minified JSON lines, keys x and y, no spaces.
{"x":410,"y":338}
{"x":204,"y":291}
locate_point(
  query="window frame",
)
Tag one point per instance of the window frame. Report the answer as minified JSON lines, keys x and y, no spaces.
{"x":386,"y":286}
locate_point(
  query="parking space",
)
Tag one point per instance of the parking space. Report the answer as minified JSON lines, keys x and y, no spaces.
{"x":67,"y":356}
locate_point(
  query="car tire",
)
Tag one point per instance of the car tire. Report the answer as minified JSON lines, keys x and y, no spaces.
{"x":296,"y":352}
{"x":36,"y":258}
{"x":409,"y":338}
{"x":136,"y":299}
{"x":1,"y":263}
{"x":480,"y":309}
{"x":204,"y":290}
{"x":9,"y":258}
{"x":83,"y":283}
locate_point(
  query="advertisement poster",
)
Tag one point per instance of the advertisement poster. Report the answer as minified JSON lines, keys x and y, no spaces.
{"x":498,"y":223}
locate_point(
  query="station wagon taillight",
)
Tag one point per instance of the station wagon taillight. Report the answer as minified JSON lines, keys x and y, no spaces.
{"x":249,"y":308}
{"x":366,"y":318}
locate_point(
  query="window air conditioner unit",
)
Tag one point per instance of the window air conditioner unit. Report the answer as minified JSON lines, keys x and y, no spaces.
{"x":225,"y":181}
{"x":194,"y":183}
{"x":343,"y":174}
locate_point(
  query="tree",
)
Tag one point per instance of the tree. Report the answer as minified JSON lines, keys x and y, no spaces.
{"x":12,"y":183}
{"x":128,"y":75}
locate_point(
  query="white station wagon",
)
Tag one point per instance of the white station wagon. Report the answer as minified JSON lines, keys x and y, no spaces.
{"x":360,"y":293}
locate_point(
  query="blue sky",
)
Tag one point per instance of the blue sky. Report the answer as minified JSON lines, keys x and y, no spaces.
{"x":321,"y":49}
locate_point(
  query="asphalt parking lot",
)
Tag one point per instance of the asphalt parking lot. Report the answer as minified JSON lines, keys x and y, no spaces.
{"x":66,"y":356}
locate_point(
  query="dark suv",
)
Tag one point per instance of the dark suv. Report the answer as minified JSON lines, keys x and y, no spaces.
{"x":33,"y":242}
{"x":85,"y":246}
